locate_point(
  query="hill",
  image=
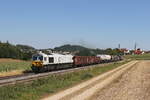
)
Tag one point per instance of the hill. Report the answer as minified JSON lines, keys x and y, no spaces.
{"x":83,"y":51}
{"x":70,"y":48}
{"x":25,"y":48}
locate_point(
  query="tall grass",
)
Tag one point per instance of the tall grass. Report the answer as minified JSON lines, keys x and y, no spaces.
{"x":42,"y":87}
{"x":9,"y":66}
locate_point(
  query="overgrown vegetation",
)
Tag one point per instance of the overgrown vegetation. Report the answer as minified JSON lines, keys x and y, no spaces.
{"x":41,"y":87}
{"x":9,"y":66}
{"x":139,"y":57}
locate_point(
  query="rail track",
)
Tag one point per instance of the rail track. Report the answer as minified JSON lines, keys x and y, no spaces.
{"x":27,"y":77}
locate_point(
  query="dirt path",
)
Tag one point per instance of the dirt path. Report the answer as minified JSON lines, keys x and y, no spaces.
{"x":87,"y":89}
{"x":133,"y":85}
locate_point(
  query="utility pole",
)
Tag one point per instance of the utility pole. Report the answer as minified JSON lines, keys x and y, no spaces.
{"x":118,"y":46}
{"x":135,"y":46}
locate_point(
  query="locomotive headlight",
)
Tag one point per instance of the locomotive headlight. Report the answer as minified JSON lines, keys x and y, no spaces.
{"x":37,"y":63}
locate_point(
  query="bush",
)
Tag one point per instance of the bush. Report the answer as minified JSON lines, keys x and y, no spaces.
{"x":86,"y":75}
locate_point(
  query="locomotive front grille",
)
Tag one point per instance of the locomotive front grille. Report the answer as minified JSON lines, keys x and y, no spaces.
{"x":37,"y":63}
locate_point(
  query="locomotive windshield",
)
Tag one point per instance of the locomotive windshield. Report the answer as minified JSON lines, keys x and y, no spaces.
{"x":37,"y":57}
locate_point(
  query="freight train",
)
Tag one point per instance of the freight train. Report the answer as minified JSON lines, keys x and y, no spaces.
{"x":48,"y":62}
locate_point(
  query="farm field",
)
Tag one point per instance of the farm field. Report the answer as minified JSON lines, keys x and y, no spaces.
{"x":132,"y":85}
{"x":13,"y":66}
{"x":138,"y":57}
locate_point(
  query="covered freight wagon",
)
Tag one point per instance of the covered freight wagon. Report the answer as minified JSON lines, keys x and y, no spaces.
{"x":105,"y":58}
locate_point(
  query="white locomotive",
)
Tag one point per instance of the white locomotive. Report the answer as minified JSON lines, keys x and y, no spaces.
{"x":43,"y":62}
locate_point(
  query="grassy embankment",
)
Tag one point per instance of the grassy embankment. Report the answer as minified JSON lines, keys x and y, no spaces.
{"x":13,"y":67}
{"x":52,"y":84}
{"x":138,"y":57}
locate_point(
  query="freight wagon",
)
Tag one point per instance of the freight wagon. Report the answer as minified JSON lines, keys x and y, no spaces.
{"x":85,"y":60}
{"x":105,"y":58}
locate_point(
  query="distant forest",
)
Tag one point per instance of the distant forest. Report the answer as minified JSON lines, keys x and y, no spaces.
{"x":25,"y":52}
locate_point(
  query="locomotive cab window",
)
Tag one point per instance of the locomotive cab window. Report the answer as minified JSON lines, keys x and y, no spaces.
{"x":51,"y":60}
{"x":37,"y":57}
{"x":45,"y":58}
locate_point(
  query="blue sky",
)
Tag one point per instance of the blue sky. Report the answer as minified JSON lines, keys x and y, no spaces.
{"x":93,"y":23}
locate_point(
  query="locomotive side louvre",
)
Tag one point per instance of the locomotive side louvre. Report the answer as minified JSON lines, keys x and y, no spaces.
{"x":57,"y":59}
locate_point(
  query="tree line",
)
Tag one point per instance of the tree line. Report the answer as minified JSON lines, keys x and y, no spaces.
{"x":8,"y":50}
{"x":25,"y":52}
